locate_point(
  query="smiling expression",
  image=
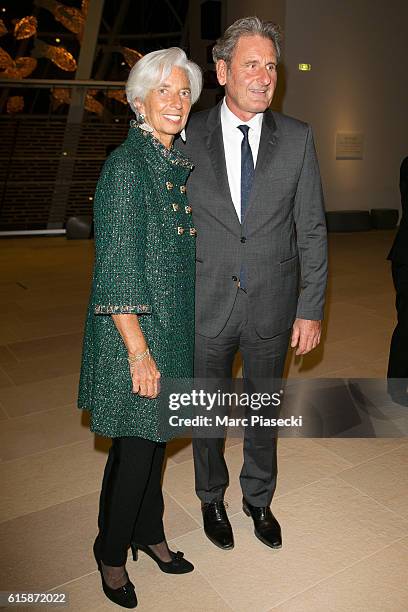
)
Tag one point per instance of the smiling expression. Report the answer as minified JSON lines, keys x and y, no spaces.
{"x":167,"y":106}
{"x":250,"y":79}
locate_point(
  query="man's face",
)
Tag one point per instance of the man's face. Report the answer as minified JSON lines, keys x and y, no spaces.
{"x":250,"y":80}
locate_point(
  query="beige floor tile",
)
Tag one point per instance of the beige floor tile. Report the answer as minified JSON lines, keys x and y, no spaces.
{"x":376,"y":584}
{"x":384,"y":478}
{"x":403,"y":543}
{"x":44,"y":549}
{"x":347,"y":320}
{"x":35,"y":433}
{"x":327,"y":357}
{"x":176,"y":520}
{"x":328,"y":523}
{"x":301,"y":462}
{"x":3,"y":415}
{"x":375,"y":369}
{"x":42,"y":480}
{"x":5,"y":380}
{"x":56,"y":346}
{"x":358,"y":450}
{"x":382,"y":304}
{"x":44,"y":368}
{"x":37,"y":396}
{"x":179,"y":450}
{"x":155,"y":591}
{"x":320,"y":537}
{"x":6,"y":356}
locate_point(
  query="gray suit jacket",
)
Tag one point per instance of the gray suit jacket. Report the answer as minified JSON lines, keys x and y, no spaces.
{"x":282,"y":241}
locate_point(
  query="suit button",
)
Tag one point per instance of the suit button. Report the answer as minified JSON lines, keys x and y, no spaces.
{"x":235,"y":278}
{"x":243,"y":239}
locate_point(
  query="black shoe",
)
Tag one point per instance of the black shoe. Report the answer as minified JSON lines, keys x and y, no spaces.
{"x":217,"y":527}
{"x":125,"y":595}
{"x":266,"y":527}
{"x":177,"y":565}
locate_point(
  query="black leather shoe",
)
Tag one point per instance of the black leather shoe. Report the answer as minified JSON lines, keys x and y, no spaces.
{"x":125,"y":595}
{"x":266,"y":527}
{"x":177,"y":565}
{"x":217,"y":527}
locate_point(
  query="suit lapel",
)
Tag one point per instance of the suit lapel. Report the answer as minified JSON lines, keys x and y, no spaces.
{"x":216,"y":151}
{"x":266,"y":152}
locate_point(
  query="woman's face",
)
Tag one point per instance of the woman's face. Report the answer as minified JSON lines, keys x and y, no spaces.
{"x":166,"y":107}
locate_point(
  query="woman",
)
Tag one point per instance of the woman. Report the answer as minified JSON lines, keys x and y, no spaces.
{"x":140,"y":318}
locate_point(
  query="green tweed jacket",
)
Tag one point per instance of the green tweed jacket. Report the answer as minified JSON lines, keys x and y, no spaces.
{"x":144,"y":264}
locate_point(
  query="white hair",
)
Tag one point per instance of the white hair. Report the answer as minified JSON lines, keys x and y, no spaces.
{"x":153,"y":68}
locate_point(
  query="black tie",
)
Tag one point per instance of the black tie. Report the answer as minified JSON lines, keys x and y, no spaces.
{"x":247,"y":179}
{"x":247,"y":170}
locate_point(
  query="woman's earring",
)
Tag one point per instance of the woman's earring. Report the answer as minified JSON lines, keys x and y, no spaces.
{"x":143,"y":125}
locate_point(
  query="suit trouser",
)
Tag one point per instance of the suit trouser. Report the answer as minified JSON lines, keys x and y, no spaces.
{"x":131,"y":501}
{"x":398,"y":360}
{"x":262,"y":359}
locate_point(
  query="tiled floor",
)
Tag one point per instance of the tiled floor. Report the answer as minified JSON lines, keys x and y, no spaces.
{"x":343,"y":504}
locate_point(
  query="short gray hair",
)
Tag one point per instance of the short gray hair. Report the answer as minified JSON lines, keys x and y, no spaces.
{"x":247,"y":26}
{"x":155,"y":67}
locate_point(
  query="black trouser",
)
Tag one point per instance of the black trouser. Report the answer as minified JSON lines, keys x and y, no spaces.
{"x":131,"y":502}
{"x":398,"y":360}
{"x":263,"y":360}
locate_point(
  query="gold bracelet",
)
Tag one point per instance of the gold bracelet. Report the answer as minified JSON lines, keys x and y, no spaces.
{"x":139,"y":357}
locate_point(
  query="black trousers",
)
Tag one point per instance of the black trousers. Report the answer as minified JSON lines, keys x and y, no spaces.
{"x":131,"y":501}
{"x":263,"y":359}
{"x":398,"y":359}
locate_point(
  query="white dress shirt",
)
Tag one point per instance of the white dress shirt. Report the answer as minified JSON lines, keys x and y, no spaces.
{"x":232,"y":138}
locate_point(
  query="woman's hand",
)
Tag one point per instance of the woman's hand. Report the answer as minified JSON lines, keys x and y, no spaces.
{"x":144,"y":372}
{"x":145,"y":377}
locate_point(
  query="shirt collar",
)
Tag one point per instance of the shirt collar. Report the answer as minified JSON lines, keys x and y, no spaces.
{"x":228,"y":118}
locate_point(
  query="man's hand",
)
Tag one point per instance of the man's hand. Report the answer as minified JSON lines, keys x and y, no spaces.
{"x":305,"y":335}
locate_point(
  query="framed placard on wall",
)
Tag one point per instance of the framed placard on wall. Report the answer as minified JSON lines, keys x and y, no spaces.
{"x":349,"y":145}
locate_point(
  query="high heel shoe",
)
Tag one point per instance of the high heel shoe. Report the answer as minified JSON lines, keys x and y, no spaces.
{"x":125,"y":595}
{"x":177,"y":565}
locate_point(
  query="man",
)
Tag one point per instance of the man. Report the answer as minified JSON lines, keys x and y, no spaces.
{"x":258,"y":209}
{"x":398,"y":360}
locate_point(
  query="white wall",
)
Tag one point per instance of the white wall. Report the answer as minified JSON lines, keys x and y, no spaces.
{"x":359,"y":55}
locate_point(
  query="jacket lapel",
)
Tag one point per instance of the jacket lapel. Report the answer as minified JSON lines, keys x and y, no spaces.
{"x":216,"y":151}
{"x":266,"y":152}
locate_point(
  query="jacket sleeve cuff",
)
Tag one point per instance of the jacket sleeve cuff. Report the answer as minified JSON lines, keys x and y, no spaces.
{"x":312,"y":315}
{"x":108,"y":309}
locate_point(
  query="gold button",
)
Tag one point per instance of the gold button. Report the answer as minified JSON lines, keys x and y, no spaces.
{"x":180,"y":231}
{"x":183,"y":189}
{"x":188,"y":209}
{"x":193,"y":231}
{"x":175,"y":206}
{"x":169,"y":185}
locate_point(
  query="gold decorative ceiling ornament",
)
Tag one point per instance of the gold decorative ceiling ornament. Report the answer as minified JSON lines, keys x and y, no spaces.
{"x":6,"y":61}
{"x":3,"y":29}
{"x":60,"y":95}
{"x":58,"y":55}
{"x":84,"y":7}
{"x":15,"y":104}
{"x":131,"y":56}
{"x":25,"y":27}
{"x":21,"y":68}
{"x":117,"y":94}
{"x":92,"y":105}
{"x":71,"y":18}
